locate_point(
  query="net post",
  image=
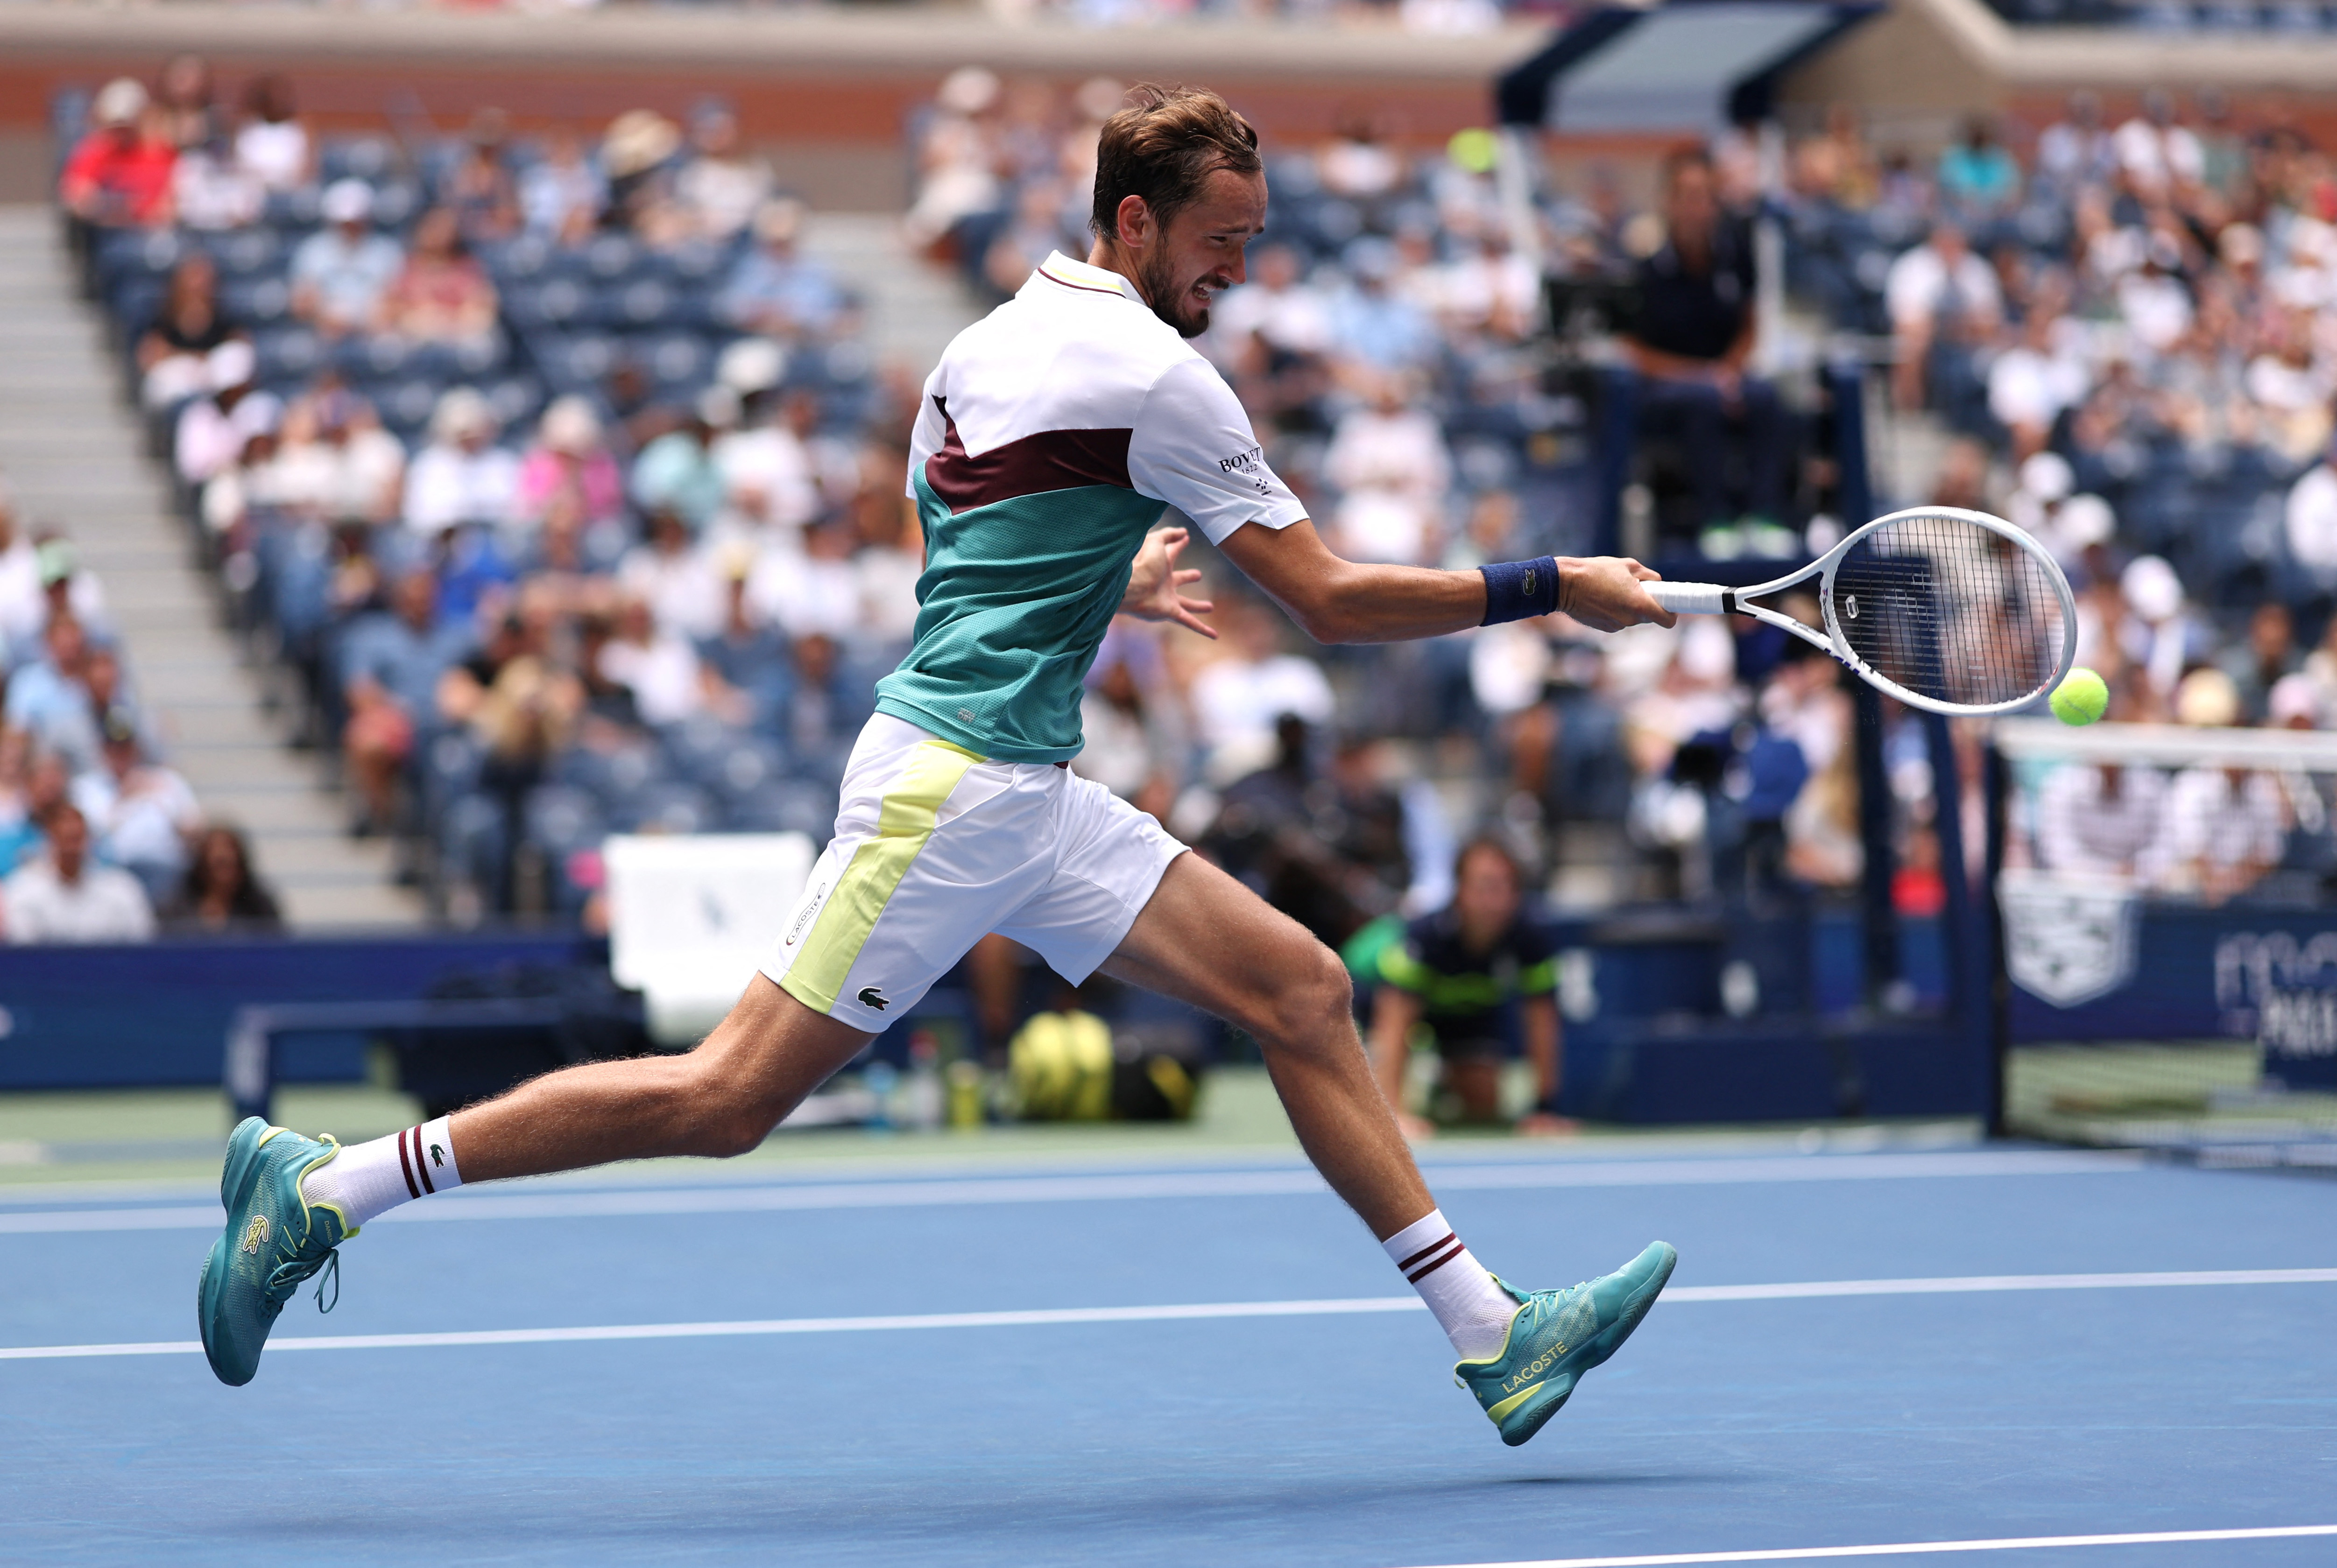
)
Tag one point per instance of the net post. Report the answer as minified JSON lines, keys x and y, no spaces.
{"x":1878,"y":921}
{"x":1991,"y":923}
{"x":1969,"y":1004}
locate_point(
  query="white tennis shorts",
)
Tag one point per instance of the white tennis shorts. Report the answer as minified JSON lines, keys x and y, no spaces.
{"x":934,"y":848}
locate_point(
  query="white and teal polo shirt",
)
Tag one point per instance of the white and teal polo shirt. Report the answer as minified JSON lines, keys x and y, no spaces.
{"x":1053,"y":436}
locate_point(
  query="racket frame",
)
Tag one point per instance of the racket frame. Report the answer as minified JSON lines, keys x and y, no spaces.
{"x":1711,"y":598}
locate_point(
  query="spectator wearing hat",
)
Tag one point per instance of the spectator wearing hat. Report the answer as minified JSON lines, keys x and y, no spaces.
{"x":221,"y":892}
{"x":340,"y":273}
{"x":570,"y":457}
{"x":461,"y":476}
{"x":65,"y":895}
{"x":2294,"y":702}
{"x":634,"y":154}
{"x":142,"y":814}
{"x":67,"y":588}
{"x":769,"y":472}
{"x":441,"y":294}
{"x":774,"y":288}
{"x":958,"y":158}
{"x":214,"y":430}
{"x":119,"y":174}
{"x":2226,"y":825}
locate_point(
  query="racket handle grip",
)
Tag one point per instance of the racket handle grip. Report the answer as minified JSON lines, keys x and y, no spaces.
{"x":1692,"y":598}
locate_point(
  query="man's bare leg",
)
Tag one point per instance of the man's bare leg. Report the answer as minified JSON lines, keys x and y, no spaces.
{"x":1207,"y":940}
{"x":722,"y":1099}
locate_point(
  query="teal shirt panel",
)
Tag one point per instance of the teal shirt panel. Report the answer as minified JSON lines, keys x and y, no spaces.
{"x":1014,"y":601}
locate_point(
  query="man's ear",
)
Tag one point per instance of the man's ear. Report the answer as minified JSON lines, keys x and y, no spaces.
{"x":1132,"y":224}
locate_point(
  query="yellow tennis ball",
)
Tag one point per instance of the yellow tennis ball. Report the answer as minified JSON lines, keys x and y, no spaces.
{"x":2081,"y":698}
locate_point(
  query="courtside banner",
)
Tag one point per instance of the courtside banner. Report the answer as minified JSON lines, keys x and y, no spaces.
{"x":2133,"y":970}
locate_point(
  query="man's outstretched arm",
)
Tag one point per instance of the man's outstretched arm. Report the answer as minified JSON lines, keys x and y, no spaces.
{"x":1337,"y":600}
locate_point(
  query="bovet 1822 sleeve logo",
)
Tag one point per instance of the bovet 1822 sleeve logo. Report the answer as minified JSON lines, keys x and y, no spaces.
{"x":1251,"y":465}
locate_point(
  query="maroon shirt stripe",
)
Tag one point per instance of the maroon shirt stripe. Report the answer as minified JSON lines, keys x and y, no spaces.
{"x":405,"y":1165}
{"x":1084,"y":288}
{"x":1050,"y":460}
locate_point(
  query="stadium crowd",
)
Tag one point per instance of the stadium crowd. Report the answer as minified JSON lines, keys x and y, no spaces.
{"x":555,"y":469}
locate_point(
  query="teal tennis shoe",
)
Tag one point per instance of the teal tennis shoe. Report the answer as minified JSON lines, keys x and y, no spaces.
{"x":1557,"y":1336}
{"x":275,"y":1238}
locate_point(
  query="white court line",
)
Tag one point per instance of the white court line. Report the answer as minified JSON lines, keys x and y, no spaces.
{"x":1334,"y":1307}
{"x":796,"y":1197}
{"x":1926,"y":1548}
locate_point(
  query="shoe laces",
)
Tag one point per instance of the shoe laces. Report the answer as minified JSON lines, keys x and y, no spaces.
{"x":288,"y":1275}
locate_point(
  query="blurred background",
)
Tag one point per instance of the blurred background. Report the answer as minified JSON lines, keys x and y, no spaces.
{"x":453,"y":454}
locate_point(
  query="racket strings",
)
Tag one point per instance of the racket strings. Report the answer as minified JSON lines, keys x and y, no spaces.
{"x":1949,"y":610}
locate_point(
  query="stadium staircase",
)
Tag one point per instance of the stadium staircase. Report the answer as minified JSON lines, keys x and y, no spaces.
{"x":914,"y":307}
{"x":73,"y":455}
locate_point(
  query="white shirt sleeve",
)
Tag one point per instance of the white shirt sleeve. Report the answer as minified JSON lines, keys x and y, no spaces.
{"x":1194,"y":448}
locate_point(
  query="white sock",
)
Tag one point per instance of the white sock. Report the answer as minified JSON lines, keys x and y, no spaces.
{"x":1473,"y":1311}
{"x":370,"y":1179}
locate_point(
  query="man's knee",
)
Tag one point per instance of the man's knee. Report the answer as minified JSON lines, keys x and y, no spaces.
{"x":1312,"y":1006}
{"x":724,"y":1116}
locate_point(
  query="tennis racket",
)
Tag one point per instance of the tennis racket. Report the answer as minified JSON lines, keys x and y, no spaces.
{"x":1952,"y":611}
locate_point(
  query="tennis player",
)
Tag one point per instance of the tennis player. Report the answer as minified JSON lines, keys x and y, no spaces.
{"x":1053,"y":438}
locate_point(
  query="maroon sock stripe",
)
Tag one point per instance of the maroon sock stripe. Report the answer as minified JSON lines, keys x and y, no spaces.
{"x":1438,"y":1262}
{"x":422,"y":1164}
{"x":1437,"y":1245}
{"x":406,"y":1165}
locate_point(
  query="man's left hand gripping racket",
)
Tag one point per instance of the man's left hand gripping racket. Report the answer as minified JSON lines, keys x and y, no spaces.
{"x":1953,"y":612}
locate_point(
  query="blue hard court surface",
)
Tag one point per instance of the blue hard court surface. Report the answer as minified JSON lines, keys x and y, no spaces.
{"x":1726,"y":1425}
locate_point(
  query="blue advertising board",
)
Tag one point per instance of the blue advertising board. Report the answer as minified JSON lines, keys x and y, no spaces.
{"x":2091,"y":964}
{"x":157,"y":1013}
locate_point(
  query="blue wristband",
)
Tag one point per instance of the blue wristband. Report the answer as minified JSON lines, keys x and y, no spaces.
{"x":1517,"y":589}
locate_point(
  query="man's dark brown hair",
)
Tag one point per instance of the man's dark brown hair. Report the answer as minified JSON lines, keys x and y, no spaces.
{"x":1163,"y":147}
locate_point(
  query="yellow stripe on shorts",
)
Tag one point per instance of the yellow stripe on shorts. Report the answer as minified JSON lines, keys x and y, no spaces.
{"x":904,"y":821}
